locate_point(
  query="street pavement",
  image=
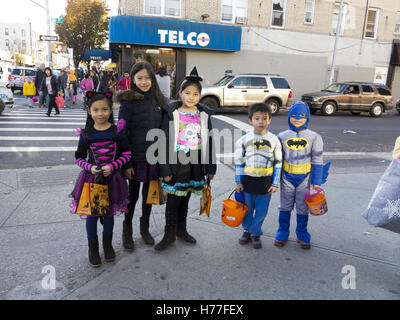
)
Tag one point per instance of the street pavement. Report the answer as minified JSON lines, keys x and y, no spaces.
{"x":40,"y":238}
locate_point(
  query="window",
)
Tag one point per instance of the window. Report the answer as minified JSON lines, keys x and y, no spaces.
{"x":163,"y":7}
{"x":280,"y":83}
{"x":241,"y":82}
{"x":258,"y":82}
{"x":371,"y":28}
{"x":335,"y":19}
{"x":23,"y":33}
{"x":278,"y":13}
{"x":234,"y":9}
{"x":384,"y":91}
{"x":367,"y":89}
{"x":309,"y":12}
{"x":23,"y":44}
{"x":6,"y":31}
{"x":7,"y":43}
{"x":397,"y":25}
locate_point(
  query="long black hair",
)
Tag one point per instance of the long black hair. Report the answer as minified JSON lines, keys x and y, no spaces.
{"x":155,"y":92}
{"x":51,"y":71}
{"x":93,"y":97}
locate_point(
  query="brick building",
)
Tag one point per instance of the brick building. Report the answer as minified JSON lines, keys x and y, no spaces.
{"x":294,"y":38}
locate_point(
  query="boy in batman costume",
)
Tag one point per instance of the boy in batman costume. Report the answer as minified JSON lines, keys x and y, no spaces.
{"x":302,"y":169}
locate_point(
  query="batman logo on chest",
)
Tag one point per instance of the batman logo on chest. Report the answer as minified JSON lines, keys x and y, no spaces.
{"x":258,"y":144}
{"x":297,"y":143}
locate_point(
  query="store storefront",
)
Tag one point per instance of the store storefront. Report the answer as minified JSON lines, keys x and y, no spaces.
{"x":165,"y":42}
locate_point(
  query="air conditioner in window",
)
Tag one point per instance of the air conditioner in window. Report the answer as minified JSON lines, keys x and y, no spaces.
{"x":241,"y":20}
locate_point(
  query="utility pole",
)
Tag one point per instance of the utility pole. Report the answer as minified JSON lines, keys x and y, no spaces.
{"x":46,"y":8}
{"x":338,"y":27}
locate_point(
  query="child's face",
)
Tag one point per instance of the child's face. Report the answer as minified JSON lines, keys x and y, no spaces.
{"x":48,"y":72}
{"x":100,"y":112}
{"x":142,"y":80}
{"x":126,"y":74}
{"x":190,"y":96}
{"x":298,"y":122}
{"x":260,"y":122}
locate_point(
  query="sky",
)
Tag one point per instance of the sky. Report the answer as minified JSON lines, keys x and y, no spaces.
{"x":24,"y":11}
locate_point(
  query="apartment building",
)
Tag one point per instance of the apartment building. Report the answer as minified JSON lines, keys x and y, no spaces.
{"x":294,"y":38}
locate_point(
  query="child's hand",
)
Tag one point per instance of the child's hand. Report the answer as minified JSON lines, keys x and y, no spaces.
{"x":239,"y":187}
{"x":129,"y":173}
{"x":315,"y":187}
{"x":106,"y":170}
{"x":167,"y":179}
{"x":273,"y":189}
{"x":93,"y":170}
{"x":210,"y":176}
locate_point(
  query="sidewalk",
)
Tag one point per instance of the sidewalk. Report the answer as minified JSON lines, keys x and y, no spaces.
{"x":36,"y":230}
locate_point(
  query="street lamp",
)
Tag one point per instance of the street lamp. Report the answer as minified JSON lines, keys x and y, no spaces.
{"x":338,"y":27}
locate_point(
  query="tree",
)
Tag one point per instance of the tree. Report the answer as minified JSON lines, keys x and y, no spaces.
{"x":84,"y":26}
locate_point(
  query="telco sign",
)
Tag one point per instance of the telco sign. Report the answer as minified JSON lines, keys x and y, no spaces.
{"x":174,"y":33}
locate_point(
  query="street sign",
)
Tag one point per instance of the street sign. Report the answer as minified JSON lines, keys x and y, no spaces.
{"x":57,"y":20}
{"x":48,"y":38}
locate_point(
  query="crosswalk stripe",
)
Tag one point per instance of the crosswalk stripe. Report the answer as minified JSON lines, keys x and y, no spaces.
{"x":47,"y":118}
{"x":37,"y":149}
{"x":38,"y":129}
{"x":45,"y":123}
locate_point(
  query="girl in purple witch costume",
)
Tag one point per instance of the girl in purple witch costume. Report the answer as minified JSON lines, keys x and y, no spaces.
{"x":103,"y":147}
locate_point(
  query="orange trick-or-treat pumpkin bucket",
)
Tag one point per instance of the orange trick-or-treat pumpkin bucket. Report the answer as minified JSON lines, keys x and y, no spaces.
{"x":233,"y":212}
{"x":316,"y":202}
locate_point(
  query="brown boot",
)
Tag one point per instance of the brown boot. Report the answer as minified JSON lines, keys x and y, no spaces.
{"x":168,"y":239}
{"x":182,"y":233}
{"x":109,"y":254}
{"x":144,"y":232}
{"x":94,"y":256}
{"x":127,"y":240}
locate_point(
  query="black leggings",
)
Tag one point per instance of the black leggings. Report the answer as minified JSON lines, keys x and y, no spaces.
{"x":52,"y":104}
{"x":134,"y":188}
{"x":176,"y":209}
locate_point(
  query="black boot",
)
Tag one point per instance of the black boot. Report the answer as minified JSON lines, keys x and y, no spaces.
{"x":144,"y":231}
{"x":127,"y":240}
{"x":182,"y":233}
{"x":109,"y":254}
{"x":94,"y":256}
{"x":168,"y":239}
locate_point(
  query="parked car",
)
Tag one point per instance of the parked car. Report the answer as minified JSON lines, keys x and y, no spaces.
{"x":244,"y":90}
{"x":6,"y":95}
{"x":2,"y":106}
{"x":355,"y":97}
{"x":17,"y":77}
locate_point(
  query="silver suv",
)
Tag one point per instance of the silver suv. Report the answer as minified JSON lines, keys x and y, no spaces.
{"x":244,"y":90}
{"x":17,"y":77}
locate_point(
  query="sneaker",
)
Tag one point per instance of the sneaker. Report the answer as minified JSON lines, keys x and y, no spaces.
{"x":304,"y":245}
{"x":256,"y":242}
{"x":280,"y":243}
{"x":245,"y":239}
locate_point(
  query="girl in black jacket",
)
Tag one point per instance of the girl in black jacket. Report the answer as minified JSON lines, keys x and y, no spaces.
{"x":49,"y":87}
{"x":188,"y":159}
{"x":141,"y":108}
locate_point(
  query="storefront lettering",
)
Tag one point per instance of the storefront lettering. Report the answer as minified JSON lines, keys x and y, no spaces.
{"x":178,"y":37}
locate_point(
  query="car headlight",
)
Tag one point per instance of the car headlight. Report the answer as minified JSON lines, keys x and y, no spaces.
{"x":316,"y":99}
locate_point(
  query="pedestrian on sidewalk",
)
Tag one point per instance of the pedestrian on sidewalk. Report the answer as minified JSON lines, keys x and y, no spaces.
{"x":193,"y":160}
{"x":73,"y":90}
{"x":124,"y":83}
{"x":29,"y":91}
{"x":86,"y":86}
{"x":258,"y":165}
{"x":40,"y":76}
{"x":302,"y":169}
{"x":99,"y":144}
{"x":141,"y":108}
{"x":49,"y":88}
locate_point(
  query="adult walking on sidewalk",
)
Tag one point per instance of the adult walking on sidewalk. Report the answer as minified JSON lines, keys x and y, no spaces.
{"x":49,"y":87}
{"x":40,"y":76}
{"x":141,"y":108}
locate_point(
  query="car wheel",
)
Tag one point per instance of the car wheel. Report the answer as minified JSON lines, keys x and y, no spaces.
{"x":211,"y":102}
{"x":376,"y":110}
{"x":356,"y":113}
{"x":328,"y":108}
{"x":274,"y":105}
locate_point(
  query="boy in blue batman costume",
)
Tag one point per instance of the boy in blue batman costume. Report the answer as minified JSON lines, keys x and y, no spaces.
{"x":302,"y":169}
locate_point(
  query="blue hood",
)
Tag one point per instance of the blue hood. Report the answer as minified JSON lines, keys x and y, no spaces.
{"x":299,"y":110}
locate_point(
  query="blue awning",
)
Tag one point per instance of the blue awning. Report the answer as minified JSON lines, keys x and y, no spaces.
{"x":174,"y":33}
{"x":97,"y":54}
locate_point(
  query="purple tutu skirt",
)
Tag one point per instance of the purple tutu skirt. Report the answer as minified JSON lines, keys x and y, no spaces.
{"x":117,"y":192}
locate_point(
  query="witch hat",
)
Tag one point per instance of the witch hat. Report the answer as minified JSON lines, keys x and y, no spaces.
{"x":194,"y":76}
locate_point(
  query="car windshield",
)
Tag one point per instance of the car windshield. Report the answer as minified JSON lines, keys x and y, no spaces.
{"x":223,"y":81}
{"x":336,"y":87}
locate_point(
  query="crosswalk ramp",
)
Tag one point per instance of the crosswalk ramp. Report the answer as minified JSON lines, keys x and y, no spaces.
{"x":31,"y":130}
